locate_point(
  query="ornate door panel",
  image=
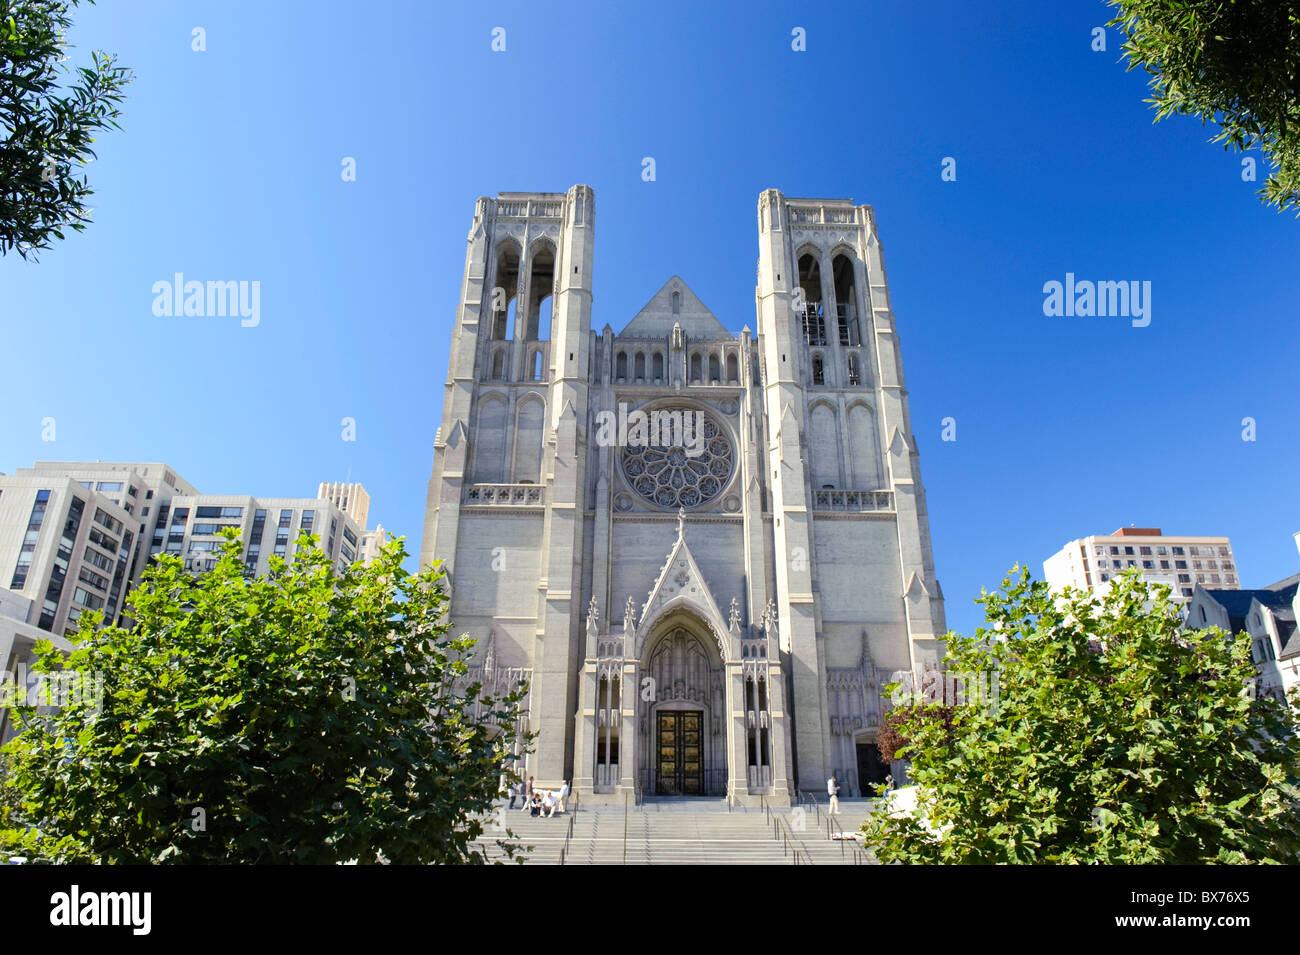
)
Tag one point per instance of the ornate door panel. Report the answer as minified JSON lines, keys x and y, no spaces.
{"x":680,"y":753}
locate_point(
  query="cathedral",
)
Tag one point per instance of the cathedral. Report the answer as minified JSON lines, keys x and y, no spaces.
{"x":713,"y":604}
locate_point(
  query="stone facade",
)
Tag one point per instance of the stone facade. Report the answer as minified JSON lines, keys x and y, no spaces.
{"x":713,"y":607}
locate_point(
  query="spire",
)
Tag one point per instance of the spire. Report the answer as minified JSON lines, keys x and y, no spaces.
{"x":593,"y":617}
{"x":734,"y":621}
{"x":681,"y":523}
{"x":629,"y":616}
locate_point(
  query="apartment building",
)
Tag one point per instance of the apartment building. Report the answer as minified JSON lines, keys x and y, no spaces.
{"x":65,"y":548}
{"x":1090,"y":563}
{"x":78,"y":535}
{"x":190,"y":527}
{"x":1269,"y":616}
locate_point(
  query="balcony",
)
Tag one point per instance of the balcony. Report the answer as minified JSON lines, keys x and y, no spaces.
{"x":853,"y":501}
{"x":503,"y":495}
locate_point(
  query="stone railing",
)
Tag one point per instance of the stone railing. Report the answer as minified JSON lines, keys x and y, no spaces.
{"x":503,"y":495}
{"x":820,"y":215}
{"x":522,"y":208}
{"x":833,"y":500}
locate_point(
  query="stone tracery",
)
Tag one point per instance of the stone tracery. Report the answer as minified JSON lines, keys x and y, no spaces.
{"x":668,"y":475}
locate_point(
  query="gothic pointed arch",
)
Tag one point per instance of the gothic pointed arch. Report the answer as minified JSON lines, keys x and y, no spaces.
{"x":681,"y":588}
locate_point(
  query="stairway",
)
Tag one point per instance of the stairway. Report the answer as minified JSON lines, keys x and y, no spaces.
{"x":680,"y":832}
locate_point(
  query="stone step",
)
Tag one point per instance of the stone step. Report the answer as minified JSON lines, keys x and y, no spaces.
{"x":678,"y":832}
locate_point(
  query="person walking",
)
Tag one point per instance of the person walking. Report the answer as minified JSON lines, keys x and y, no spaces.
{"x":564,"y":797}
{"x":833,"y":790}
{"x":516,"y":790}
{"x":528,"y":795}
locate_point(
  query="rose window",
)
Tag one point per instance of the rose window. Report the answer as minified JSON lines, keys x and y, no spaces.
{"x":683,"y":469}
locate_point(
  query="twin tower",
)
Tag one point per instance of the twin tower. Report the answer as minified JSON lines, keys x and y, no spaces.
{"x":716,"y":618}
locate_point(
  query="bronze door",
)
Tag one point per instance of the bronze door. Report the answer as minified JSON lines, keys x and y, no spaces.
{"x":680,"y":760}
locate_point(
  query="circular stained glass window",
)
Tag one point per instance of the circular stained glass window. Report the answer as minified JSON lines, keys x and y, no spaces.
{"x":685,"y":461}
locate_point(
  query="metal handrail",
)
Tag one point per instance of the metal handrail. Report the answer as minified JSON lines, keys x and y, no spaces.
{"x":790,"y":843}
{"x":568,"y":837}
{"x":781,"y":832}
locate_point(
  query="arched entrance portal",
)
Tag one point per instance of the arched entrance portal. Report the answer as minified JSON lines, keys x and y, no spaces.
{"x":683,"y":750}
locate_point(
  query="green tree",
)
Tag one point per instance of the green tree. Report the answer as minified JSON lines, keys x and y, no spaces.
{"x":305,"y":716}
{"x":1111,"y":736}
{"x":49,"y":116}
{"x":1234,"y":63}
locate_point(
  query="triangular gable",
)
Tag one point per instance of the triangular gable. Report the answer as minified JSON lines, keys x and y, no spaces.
{"x":656,"y":318}
{"x":681,"y":577}
{"x":900,"y":442}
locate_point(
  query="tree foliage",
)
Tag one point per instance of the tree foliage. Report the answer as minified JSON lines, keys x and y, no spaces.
{"x":49,"y":116}
{"x":1113,"y":737}
{"x":305,"y":716}
{"x":1234,"y":63}
{"x":890,"y":739}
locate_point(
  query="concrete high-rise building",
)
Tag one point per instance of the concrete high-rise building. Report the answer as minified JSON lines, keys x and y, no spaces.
{"x":191,"y":527}
{"x":77,"y":536}
{"x":351,"y":499}
{"x":714,"y":605}
{"x":1090,"y":563}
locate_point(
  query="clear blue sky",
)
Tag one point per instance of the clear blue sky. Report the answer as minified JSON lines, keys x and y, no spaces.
{"x":228,"y":167}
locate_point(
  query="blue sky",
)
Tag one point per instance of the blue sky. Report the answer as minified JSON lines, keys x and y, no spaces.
{"x":228,"y":167}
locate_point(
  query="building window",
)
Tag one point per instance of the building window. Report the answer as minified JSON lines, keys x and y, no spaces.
{"x":211,"y":512}
{"x":1184,"y":578}
{"x":34,"y":522}
{"x":818,"y":372}
{"x":1178,"y":552}
{"x":855,"y":379}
